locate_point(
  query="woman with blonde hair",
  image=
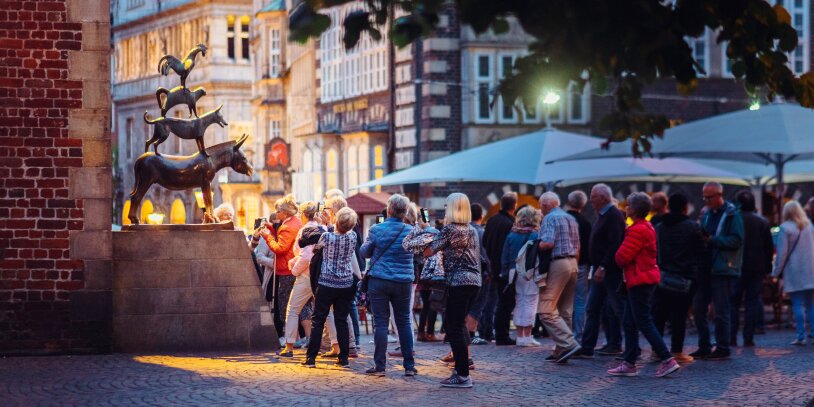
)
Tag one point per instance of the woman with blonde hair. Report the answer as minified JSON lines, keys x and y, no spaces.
{"x":795,"y":265}
{"x":281,"y":243}
{"x":526,"y":228}
{"x":462,"y":261}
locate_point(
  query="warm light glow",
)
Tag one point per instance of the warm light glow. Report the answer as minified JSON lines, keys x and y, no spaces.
{"x":155,"y":218}
{"x":199,"y":198}
{"x":551,"y":98}
{"x":754,"y":106}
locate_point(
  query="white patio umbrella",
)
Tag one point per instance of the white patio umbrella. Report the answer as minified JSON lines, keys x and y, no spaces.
{"x":522,"y":160}
{"x":774,"y":135}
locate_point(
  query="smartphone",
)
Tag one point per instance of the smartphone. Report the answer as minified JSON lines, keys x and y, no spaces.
{"x":379,"y":219}
{"x":425,"y":215}
{"x":259,"y":222}
{"x":320,"y":207}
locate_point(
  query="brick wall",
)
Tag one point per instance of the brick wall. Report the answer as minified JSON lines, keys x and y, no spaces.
{"x":54,"y":175}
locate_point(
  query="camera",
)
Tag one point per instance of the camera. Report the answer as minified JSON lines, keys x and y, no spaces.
{"x":259,"y":222}
{"x":320,"y":207}
{"x":425,"y":215}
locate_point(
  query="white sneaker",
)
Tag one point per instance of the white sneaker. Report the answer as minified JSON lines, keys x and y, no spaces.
{"x":392,"y":339}
{"x":534,"y":342}
{"x":520,"y":341}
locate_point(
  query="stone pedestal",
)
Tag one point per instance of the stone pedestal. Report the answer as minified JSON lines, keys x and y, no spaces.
{"x":187,"y":288}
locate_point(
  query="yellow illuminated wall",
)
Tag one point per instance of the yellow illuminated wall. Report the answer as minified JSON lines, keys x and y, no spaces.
{"x":178,"y":212}
{"x":125,"y":212}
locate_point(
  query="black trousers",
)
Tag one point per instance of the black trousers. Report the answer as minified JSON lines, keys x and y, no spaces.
{"x":747,"y":290}
{"x":428,"y":316}
{"x":459,"y":302}
{"x":505,"y":306}
{"x":325,"y":298}
{"x":672,"y":306}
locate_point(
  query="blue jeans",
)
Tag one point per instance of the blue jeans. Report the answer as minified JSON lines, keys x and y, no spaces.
{"x":383,"y":294}
{"x":803,"y":303}
{"x":718,"y":291}
{"x":579,"y":302}
{"x":639,"y":318}
{"x":598,"y":295}
{"x":354,"y":317}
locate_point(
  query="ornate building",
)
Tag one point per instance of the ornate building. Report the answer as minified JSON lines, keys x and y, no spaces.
{"x":143,"y":31}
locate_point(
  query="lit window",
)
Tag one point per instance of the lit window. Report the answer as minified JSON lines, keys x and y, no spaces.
{"x":275,"y":129}
{"x":244,"y":37}
{"x":230,"y":36}
{"x":178,"y":212}
{"x":332,"y":170}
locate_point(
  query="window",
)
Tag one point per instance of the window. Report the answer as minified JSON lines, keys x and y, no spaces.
{"x":483,"y":83}
{"x":352,"y":160}
{"x":700,"y":52}
{"x":274,"y":52}
{"x":378,"y":164}
{"x":317,"y":176}
{"x":799,"y":10}
{"x":507,"y":112}
{"x":331,"y":170}
{"x":726,"y":63}
{"x":178,"y":212}
{"x":274,"y":129}
{"x":128,"y":133}
{"x":244,"y":37}
{"x":230,"y":36}
{"x":579,"y":104}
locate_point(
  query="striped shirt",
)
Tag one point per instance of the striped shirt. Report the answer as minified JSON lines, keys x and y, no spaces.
{"x":560,"y":228}
{"x":337,"y":270}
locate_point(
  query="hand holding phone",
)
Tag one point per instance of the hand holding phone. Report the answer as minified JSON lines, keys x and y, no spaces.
{"x":425,"y":215}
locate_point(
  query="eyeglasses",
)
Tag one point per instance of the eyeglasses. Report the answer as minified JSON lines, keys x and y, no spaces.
{"x":711,"y":197}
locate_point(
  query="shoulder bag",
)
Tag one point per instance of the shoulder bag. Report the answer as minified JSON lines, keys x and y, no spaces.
{"x":670,"y":281}
{"x":366,"y":278}
{"x":788,"y":256}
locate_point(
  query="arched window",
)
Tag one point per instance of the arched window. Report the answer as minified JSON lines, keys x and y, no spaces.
{"x":332,"y":169}
{"x":178,"y":212}
{"x":317,"y":176}
{"x":146,"y":209}
{"x":352,"y":160}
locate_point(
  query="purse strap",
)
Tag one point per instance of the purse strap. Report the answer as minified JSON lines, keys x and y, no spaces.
{"x":786,"y":260}
{"x":386,"y":248}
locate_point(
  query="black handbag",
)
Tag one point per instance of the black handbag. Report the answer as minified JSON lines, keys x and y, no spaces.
{"x":315,"y":269}
{"x":439,"y":293}
{"x":671,"y":281}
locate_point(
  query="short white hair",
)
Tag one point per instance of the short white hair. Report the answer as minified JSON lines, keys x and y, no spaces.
{"x":224,"y":211}
{"x":577,"y":199}
{"x":604,"y":191}
{"x":550,"y":198}
{"x":345,"y":220}
{"x":397,"y":206}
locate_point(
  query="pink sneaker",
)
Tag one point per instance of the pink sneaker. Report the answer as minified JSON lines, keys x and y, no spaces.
{"x":624,"y":369}
{"x":667,"y":367}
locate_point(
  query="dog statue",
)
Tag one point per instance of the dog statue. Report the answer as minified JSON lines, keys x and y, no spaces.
{"x":179,"y":95}
{"x":178,"y":173}
{"x":184,"y":128}
{"x":181,"y":67}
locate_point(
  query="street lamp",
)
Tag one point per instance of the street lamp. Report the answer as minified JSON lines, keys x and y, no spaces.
{"x":754,"y":106}
{"x":550,"y":99}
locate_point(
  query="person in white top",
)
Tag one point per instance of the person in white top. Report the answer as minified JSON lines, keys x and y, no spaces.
{"x":795,"y":265}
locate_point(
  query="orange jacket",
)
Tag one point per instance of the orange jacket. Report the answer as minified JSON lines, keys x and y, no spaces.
{"x":283,"y":244}
{"x":637,"y":254}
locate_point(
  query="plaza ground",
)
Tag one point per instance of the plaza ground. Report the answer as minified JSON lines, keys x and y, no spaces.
{"x":771,"y":374}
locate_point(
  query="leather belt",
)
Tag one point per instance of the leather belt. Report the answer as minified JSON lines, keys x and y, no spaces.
{"x":563,"y":257}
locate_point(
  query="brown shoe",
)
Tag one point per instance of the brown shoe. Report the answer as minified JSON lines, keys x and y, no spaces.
{"x":683,"y":358}
{"x":422,"y":337}
{"x":433,"y":338}
{"x":448,"y":358}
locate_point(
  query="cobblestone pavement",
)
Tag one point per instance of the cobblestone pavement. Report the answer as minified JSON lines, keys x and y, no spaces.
{"x":772,"y":374}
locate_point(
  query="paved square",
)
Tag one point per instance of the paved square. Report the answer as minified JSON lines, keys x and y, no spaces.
{"x":770,"y":375}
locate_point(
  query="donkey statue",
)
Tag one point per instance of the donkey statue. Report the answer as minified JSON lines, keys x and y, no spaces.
{"x":185,"y":128}
{"x":179,"y":173}
{"x":181,"y":67}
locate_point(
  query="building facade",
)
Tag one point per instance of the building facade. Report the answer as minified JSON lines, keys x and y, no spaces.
{"x":144,"y":31}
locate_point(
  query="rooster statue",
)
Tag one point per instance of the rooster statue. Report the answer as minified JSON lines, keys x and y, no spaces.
{"x":181,"y":67}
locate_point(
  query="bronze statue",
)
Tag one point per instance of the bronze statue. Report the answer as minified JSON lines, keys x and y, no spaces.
{"x":181,"y":67}
{"x":186,"y":172}
{"x":184,"y":128}
{"x":179,"y":95}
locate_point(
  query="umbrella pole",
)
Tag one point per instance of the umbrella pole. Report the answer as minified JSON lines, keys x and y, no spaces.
{"x":779,"y":164}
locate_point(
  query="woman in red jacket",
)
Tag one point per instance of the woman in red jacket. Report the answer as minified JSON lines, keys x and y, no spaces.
{"x":637,"y":257}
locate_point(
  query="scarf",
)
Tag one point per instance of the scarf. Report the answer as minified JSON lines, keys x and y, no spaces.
{"x":524,"y":229}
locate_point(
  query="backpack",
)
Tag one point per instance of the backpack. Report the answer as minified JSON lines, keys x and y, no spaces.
{"x":531,"y":263}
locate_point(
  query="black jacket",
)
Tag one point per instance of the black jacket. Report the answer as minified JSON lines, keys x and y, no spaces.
{"x":497,"y":228}
{"x":680,"y":245}
{"x":757,"y":245}
{"x":584,"y":237}
{"x":606,"y":237}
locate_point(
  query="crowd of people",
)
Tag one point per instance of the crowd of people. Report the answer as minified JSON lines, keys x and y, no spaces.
{"x":640,"y":266}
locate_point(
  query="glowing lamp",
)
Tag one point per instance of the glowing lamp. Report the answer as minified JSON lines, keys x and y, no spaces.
{"x":155,"y":218}
{"x":754,"y":106}
{"x":551,"y":98}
